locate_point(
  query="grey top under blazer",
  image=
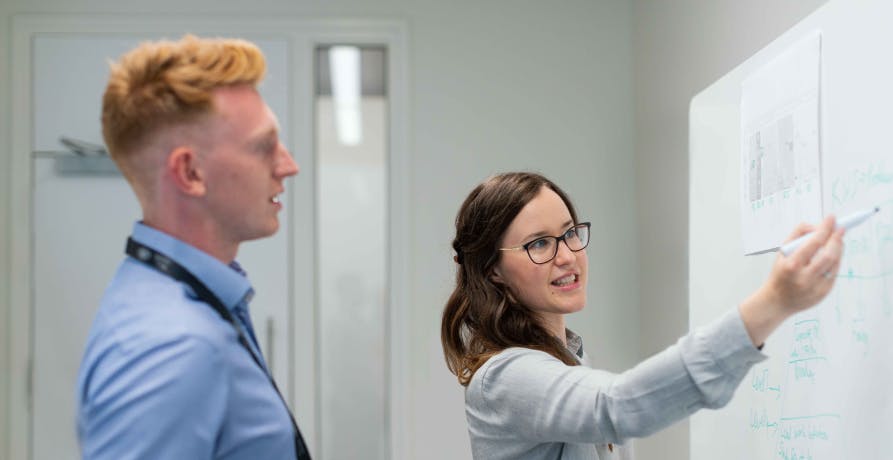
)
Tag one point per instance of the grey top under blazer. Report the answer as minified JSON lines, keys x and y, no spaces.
{"x":526,"y":404}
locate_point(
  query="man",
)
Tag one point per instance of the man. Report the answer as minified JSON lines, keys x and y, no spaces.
{"x":172,"y":369}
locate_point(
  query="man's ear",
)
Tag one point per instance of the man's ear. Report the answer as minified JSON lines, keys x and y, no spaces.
{"x":184,"y":168}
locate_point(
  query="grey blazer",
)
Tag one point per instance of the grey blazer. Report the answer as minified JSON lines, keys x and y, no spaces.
{"x":526,"y":404}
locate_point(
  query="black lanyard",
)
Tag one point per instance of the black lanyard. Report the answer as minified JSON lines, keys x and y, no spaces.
{"x":176,"y":271}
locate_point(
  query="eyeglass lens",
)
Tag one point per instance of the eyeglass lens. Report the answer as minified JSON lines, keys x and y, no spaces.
{"x":542,"y":250}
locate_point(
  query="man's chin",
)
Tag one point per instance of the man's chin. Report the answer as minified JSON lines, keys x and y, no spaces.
{"x":264,"y":233}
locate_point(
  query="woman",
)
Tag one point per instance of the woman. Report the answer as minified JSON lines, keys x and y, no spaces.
{"x":522,"y":266}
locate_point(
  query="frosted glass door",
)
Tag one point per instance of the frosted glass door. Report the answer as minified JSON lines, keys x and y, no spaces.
{"x":351,"y":165}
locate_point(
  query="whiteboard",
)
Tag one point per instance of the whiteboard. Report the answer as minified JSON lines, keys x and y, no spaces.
{"x":825,"y":391}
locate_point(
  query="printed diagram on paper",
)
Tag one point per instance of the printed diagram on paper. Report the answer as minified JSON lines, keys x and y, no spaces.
{"x":780,"y":146}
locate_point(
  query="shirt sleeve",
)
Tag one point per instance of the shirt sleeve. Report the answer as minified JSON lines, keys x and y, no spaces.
{"x":530,"y":395}
{"x":167,"y":400}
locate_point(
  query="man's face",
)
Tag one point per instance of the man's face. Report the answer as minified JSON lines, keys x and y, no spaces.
{"x":245,"y":166}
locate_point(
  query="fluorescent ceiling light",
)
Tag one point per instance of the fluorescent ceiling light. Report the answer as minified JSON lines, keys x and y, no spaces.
{"x":344,"y":66}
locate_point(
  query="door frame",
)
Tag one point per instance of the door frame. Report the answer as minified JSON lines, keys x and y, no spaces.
{"x":303,"y":36}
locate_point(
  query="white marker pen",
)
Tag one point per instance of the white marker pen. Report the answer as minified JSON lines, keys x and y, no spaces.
{"x":847,"y":222}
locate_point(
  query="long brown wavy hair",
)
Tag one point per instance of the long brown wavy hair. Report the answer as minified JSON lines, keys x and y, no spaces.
{"x":482,"y":317}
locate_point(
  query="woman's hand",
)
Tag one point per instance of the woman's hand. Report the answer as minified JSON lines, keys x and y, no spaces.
{"x":796,"y":282}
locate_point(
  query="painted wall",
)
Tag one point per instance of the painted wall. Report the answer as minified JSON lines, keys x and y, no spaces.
{"x":495,"y":85}
{"x":680,"y":48}
{"x":506,"y":85}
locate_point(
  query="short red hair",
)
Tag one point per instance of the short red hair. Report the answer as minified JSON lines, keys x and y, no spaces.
{"x":167,"y":83}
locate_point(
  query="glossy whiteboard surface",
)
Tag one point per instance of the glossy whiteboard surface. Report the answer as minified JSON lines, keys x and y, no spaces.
{"x":825,"y":392}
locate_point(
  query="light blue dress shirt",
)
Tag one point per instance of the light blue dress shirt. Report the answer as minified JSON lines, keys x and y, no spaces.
{"x":164,"y":376}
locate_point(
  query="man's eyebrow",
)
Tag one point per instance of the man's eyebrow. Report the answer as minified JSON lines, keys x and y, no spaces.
{"x":264,"y":137}
{"x":272,"y":128}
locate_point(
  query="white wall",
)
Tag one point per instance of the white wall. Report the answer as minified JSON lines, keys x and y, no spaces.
{"x":680,"y":48}
{"x":495,"y":85}
{"x":5,"y":262}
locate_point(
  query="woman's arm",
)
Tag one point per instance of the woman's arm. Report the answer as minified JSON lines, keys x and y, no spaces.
{"x":524,"y":395}
{"x":796,"y":282}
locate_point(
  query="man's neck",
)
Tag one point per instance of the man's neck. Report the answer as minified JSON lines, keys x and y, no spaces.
{"x":202,"y":237}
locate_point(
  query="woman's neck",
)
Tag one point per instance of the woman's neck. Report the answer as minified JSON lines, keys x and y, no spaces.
{"x":554,"y":324}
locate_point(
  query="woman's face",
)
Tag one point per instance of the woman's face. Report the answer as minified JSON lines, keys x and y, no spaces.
{"x":556,"y":287}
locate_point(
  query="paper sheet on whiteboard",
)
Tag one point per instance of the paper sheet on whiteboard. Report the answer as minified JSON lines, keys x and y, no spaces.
{"x":780,"y":146}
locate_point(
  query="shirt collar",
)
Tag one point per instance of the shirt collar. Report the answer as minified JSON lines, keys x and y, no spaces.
{"x":574,"y":343}
{"x":227,"y":282}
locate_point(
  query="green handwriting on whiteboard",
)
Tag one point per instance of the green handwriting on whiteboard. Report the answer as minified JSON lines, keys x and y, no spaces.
{"x":851,"y":185}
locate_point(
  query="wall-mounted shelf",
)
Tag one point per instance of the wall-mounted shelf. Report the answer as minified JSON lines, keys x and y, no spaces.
{"x":71,"y":164}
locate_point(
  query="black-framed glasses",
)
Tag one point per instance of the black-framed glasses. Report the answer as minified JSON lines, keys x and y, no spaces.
{"x":545,"y":248}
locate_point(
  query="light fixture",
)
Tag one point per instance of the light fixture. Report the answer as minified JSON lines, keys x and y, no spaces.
{"x":344,"y":66}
